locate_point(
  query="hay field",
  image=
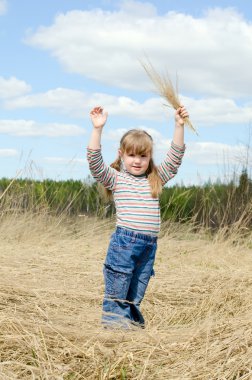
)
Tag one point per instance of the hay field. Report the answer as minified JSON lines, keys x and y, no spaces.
{"x":198,"y":307}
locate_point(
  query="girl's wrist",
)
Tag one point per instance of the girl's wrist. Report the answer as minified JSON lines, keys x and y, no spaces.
{"x":97,"y":129}
{"x":178,"y":125}
{"x":95,"y":139}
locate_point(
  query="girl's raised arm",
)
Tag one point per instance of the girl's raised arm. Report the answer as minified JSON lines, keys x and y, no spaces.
{"x":98,"y":118}
{"x":178,"y":136}
{"x":169,"y":167}
{"x":99,"y":170}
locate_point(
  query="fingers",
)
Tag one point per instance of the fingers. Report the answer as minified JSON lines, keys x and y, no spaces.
{"x":182,"y":112}
{"x":96,"y":111}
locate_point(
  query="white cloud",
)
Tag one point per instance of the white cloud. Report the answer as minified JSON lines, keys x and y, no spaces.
{"x":214,"y":111}
{"x":208,"y":152}
{"x":78,"y":104}
{"x":203,"y":112}
{"x":12,"y":87}
{"x":212,"y":53}
{"x":213,"y":153}
{"x":32,"y":128}
{"x":3,"y":7}
{"x":64,"y":100}
{"x":8,"y":152}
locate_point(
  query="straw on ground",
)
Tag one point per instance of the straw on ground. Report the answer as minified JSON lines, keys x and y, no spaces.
{"x":198,"y":306}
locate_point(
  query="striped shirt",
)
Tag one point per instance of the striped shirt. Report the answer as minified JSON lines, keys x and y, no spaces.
{"x":136,"y":209}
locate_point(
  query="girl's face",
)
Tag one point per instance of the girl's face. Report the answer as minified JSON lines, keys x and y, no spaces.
{"x":135,"y":164}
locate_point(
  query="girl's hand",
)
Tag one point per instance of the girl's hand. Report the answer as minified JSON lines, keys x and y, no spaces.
{"x":180,"y":114}
{"x":98,"y":117}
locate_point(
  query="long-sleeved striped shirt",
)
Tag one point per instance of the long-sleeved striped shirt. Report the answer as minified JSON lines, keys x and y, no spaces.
{"x":136,"y":209}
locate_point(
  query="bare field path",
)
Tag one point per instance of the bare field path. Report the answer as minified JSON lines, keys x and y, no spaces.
{"x":198,"y":306}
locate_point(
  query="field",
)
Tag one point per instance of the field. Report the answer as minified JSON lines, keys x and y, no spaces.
{"x":198,"y":306}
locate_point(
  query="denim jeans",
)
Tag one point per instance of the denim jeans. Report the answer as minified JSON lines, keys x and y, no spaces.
{"x":127,"y":271}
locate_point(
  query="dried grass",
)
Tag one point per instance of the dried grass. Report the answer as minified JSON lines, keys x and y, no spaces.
{"x":198,"y":306}
{"x":165,"y":89}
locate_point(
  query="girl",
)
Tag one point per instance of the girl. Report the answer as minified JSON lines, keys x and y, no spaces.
{"x":135,"y":183}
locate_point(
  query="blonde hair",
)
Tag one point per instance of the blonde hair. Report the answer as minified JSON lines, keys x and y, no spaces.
{"x":138,"y":142}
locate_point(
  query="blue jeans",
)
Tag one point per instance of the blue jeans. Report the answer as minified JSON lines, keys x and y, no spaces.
{"x":127,"y":271}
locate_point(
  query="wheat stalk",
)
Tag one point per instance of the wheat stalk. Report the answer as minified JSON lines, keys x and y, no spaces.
{"x":165,"y":89}
{"x":7,"y":188}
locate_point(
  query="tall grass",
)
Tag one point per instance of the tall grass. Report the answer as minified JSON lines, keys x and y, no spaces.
{"x":71,"y":197}
{"x":212,"y":206}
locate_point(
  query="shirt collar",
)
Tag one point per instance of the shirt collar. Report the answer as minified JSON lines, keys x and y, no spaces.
{"x":133,"y":175}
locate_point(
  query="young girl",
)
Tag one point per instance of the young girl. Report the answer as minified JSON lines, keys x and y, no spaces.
{"x":135,"y":183}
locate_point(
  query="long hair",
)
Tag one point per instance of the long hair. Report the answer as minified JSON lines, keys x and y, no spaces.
{"x":138,"y":142}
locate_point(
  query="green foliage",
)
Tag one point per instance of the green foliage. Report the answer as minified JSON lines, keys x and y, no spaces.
{"x":72,"y":197}
{"x":212,"y":206}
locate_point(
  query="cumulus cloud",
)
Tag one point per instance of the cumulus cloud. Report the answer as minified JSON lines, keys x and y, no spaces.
{"x":214,"y":111}
{"x":32,"y":128}
{"x":212,"y":153}
{"x":3,"y":7}
{"x":8,"y":152}
{"x":208,"y":152}
{"x":78,"y":104}
{"x":212,"y":53}
{"x":203,"y":112}
{"x":63,"y":100}
{"x":12,"y":87}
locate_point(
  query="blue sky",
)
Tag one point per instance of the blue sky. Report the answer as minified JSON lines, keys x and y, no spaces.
{"x":60,"y":58}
